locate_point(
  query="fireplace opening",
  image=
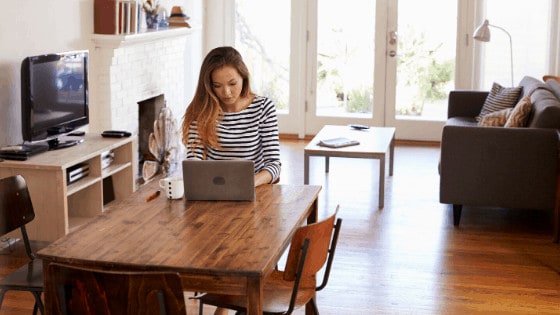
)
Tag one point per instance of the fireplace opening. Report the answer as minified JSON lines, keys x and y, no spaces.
{"x":148,"y":111}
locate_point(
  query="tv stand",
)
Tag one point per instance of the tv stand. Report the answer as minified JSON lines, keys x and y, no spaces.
{"x":55,"y":144}
{"x":63,"y":205}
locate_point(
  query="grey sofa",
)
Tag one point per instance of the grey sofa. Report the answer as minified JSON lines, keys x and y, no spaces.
{"x":502,"y":167}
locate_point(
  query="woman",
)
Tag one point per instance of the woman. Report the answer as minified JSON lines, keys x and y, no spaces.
{"x":226,"y":120}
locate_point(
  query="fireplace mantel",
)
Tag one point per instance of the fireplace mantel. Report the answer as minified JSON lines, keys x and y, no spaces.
{"x":121,"y":40}
{"x":128,"y":68}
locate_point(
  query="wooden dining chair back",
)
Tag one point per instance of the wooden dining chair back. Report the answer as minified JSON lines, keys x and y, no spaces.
{"x":88,"y":292}
{"x":16,"y":210}
{"x":551,"y":77}
{"x":311,"y":248}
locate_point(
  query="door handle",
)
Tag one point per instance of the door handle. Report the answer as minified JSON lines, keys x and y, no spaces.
{"x":392,"y":53}
{"x":393,"y":36}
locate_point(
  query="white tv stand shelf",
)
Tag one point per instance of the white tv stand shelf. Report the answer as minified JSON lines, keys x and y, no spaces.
{"x":61,"y":207}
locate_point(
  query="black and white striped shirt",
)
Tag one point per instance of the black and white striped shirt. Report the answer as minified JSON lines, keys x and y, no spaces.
{"x":250,"y":134}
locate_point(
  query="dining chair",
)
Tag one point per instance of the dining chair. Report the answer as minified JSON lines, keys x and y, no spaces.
{"x":91,"y":292}
{"x":16,"y":210}
{"x":311,"y":248}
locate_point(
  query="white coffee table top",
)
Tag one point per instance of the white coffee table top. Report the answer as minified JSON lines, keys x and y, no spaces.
{"x":372,"y":141}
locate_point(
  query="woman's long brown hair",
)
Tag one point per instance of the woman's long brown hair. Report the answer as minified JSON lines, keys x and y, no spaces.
{"x":205,"y":108}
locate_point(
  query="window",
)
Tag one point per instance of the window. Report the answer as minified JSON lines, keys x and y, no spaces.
{"x":262,"y":36}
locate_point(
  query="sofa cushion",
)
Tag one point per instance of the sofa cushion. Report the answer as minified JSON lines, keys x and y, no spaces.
{"x":520,"y":113}
{"x":546,"y":109}
{"x":499,"y":98}
{"x":496,"y":119}
{"x":529,"y":84}
{"x":554,"y":87}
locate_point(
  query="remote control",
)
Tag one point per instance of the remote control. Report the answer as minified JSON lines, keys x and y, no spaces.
{"x":116,"y":133}
{"x":359,"y":127}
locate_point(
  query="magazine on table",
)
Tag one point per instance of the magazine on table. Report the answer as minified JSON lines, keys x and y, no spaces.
{"x":338,"y":142}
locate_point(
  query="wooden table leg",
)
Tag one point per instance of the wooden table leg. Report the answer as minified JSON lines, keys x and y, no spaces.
{"x":48,"y":294}
{"x":254,"y":296}
{"x":556,"y":235}
{"x":314,"y":213}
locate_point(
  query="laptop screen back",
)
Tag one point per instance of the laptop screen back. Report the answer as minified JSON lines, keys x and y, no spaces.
{"x":219,"y":180}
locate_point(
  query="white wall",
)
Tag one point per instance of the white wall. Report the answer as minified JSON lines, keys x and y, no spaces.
{"x":32,"y":27}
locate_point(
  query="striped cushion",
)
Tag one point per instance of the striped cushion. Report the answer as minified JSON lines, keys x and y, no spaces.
{"x":499,"y":98}
{"x":520,"y":113}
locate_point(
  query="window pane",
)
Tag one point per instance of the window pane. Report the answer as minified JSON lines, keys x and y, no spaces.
{"x":264,"y":41}
{"x":345,"y":58}
{"x":426,"y":59}
{"x":528,"y":23}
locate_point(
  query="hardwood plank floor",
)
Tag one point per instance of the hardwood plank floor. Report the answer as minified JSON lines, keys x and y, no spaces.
{"x":408,"y":258}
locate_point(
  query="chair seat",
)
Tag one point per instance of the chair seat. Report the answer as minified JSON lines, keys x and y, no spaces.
{"x":28,"y":277}
{"x":277,"y":294}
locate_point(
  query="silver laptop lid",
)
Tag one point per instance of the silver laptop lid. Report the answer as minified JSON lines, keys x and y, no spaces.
{"x":219,"y":179}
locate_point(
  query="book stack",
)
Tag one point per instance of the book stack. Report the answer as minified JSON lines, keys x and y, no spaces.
{"x":116,"y":16}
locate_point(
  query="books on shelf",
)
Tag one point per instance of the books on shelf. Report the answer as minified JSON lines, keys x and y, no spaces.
{"x":116,"y":16}
{"x":338,"y":142}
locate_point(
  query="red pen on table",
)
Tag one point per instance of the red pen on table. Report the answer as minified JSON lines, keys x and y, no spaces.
{"x":153,"y":196}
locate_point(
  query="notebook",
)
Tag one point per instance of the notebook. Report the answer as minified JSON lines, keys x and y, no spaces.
{"x":219,"y":180}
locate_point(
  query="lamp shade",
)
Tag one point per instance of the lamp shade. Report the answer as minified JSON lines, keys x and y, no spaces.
{"x":482,"y":33}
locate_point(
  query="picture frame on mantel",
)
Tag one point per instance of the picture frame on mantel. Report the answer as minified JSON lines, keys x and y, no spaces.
{"x":116,"y":16}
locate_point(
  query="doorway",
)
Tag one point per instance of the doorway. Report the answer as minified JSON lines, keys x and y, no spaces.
{"x":438,"y":33}
{"x":376,"y":63}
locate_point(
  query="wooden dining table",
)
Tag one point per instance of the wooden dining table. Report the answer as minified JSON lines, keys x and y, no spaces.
{"x":216,"y":246}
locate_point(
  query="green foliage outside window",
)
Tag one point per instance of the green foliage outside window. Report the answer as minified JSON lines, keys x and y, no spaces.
{"x":420,"y":69}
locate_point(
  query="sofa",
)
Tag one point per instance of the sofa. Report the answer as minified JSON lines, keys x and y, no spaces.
{"x":495,"y":165}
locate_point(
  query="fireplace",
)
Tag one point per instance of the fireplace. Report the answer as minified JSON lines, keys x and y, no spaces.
{"x":128,"y":69}
{"x":158,"y":138}
{"x":148,"y":111}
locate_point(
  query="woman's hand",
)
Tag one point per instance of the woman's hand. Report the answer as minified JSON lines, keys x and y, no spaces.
{"x":262,"y":177}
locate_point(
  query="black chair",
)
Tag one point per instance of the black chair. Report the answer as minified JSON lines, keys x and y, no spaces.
{"x":16,"y":211}
{"x":312,"y":246}
{"x":89,"y":291}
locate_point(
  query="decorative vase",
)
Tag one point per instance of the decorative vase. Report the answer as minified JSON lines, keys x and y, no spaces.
{"x":152,"y":21}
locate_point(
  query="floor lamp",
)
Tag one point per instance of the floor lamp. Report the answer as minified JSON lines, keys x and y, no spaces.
{"x":482,"y":33}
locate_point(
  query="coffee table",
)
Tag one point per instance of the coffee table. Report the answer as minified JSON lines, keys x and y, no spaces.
{"x":374,"y":144}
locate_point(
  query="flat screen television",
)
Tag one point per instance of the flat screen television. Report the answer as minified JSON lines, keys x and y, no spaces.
{"x":54,"y":97}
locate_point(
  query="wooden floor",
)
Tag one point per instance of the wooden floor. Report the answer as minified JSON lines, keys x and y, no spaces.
{"x":408,"y":258}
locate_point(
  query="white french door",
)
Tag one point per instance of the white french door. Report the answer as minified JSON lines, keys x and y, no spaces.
{"x":377,"y":62}
{"x":345,"y":73}
{"x":421,"y":65}
{"x":381,"y":63}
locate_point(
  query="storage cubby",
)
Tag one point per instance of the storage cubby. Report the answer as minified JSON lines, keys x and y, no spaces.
{"x":60,"y":206}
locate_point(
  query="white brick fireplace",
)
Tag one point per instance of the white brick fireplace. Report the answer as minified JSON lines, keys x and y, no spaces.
{"x":126,"y":69}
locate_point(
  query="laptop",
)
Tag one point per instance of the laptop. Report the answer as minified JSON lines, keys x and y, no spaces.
{"x":219,"y":179}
